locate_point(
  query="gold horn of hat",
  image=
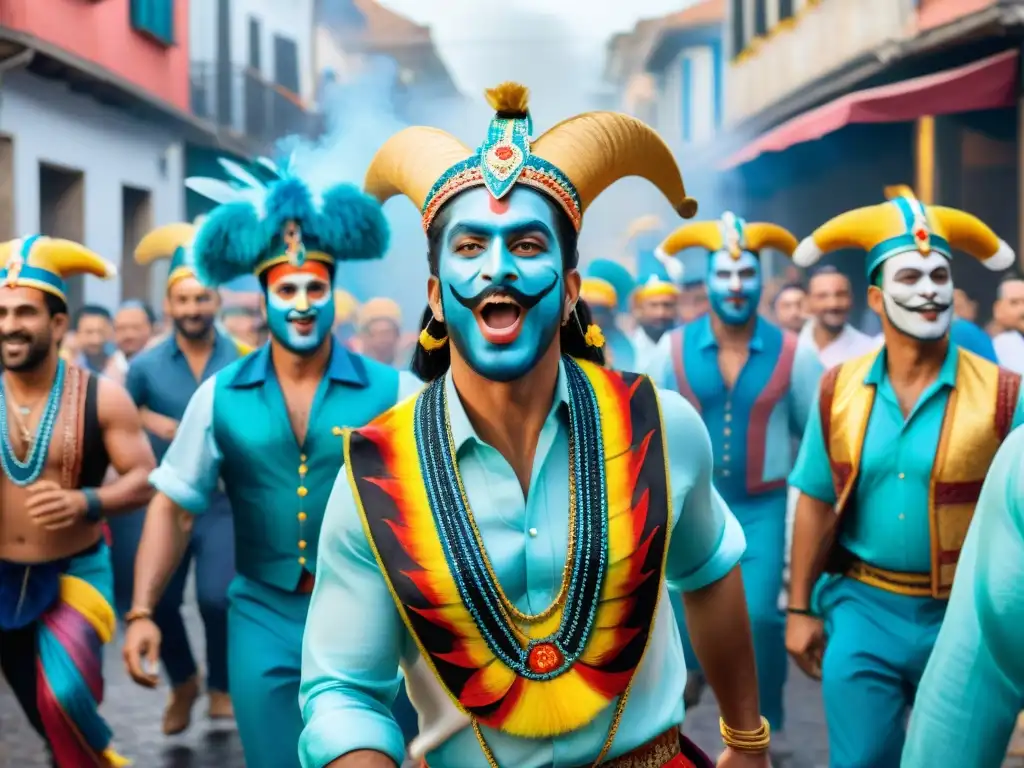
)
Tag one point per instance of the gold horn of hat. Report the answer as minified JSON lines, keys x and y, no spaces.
{"x":861,"y":228}
{"x":411,"y":161}
{"x":162,"y":242}
{"x":760,"y":235}
{"x":966,"y":232}
{"x":596,"y":149}
{"x":68,"y":258}
{"x":699,"y":234}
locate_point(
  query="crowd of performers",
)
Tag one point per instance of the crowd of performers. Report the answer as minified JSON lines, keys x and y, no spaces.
{"x":536,"y":547}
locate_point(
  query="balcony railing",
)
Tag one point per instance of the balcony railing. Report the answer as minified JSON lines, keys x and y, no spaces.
{"x":240,"y":101}
{"x":820,"y":41}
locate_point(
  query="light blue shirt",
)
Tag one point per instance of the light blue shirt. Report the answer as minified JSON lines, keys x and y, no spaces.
{"x":888,"y":526}
{"x":729,"y":413}
{"x":973,"y":687}
{"x":967,"y":335}
{"x":355,"y":637}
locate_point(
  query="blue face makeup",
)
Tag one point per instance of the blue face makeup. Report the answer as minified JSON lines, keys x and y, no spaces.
{"x":502,"y":289}
{"x":734,"y":286}
{"x":300,"y":307}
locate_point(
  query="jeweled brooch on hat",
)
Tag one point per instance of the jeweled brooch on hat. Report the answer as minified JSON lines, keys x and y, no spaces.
{"x":294,"y":249}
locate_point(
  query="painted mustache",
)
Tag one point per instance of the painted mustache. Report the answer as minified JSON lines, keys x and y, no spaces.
{"x":928,"y":306}
{"x":294,"y":314}
{"x":526,"y":301}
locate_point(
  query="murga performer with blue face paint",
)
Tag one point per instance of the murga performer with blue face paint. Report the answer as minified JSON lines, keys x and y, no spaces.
{"x":268,"y":426}
{"x":753,"y":386}
{"x":889,"y":472}
{"x":509,"y":535}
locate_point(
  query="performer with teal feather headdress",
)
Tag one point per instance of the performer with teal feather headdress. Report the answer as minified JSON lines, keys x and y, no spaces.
{"x":273,"y":438}
{"x":607,"y":287}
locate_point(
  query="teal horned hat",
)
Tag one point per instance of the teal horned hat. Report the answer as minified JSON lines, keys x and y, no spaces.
{"x":572,"y":163}
{"x":257,"y":225}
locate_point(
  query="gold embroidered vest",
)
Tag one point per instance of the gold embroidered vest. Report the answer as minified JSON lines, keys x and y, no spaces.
{"x":978,"y":416}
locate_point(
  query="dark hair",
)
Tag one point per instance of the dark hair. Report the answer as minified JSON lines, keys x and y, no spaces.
{"x":55,"y":305}
{"x":139,"y":304}
{"x":92,"y":310}
{"x":429,"y":366}
{"x":787,"y":287}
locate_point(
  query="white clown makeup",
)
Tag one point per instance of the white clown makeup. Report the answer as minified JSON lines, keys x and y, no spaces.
{"x":300,"y":306}
{"x":917,"y":291}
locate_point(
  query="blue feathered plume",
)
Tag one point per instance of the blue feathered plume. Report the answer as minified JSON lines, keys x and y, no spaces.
{"x":238,"y":235}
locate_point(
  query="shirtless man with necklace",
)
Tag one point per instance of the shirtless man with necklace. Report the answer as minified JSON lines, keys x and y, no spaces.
{"x":60,"y":428}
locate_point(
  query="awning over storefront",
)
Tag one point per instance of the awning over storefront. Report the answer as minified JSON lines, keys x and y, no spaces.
{"x":986,"y":84}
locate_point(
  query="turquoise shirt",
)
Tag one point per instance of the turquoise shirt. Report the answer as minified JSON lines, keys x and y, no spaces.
{"x":355,"y":637}
{"x":278,"y":488}
{"x":973,"y":687}
{"x":888,"y":527}
{"x":623,"y":357}
{"x":752,"y":425}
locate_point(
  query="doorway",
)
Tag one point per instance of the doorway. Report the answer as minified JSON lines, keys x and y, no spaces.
{"x":136,"y":221}
{"x":7,"y":226}
{"x":62,"y":214}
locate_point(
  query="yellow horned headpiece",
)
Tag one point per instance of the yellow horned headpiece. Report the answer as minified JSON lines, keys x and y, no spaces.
{"x":572,"y":163}
{"x":45,"y":262}
{"x":731,"y":234}
{"x":904,"y":224}
{"x":171,"y":241}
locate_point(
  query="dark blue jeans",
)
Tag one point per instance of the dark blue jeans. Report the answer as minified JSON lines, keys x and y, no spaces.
{"x":212,"y":548}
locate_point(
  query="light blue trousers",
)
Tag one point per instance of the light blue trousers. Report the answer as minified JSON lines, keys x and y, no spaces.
{"x":265,"y":627}
{"x":877,"y":646}
{"x":764,"y":525}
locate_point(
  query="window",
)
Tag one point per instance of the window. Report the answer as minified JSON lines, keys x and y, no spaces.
{"x":687,"y":92}
{"x":154,"y":18}
{"x":785,"y":9}
{"x":739,"y":40}
{"x":286,"y":63}
{"x":760,"y":18}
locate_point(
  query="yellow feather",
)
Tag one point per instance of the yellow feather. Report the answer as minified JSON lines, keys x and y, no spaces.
{"x":509,"y":98}
{"x":555,"y":706}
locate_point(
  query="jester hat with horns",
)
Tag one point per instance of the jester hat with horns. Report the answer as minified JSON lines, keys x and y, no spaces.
{"x":572,"y":163}
{"x":45,"y":263}
{"x":902,"y":224}
{"x":730,"y":234}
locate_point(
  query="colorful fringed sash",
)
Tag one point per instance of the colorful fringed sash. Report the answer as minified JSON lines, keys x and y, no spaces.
{"x":570,"y":662}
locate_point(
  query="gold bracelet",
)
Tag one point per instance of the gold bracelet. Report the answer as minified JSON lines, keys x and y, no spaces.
{"x":746,"y":741}
{"x":137,"y":613}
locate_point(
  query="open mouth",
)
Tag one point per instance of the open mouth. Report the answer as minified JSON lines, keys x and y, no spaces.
{"x":930,"y":311}
{"x":304,"y":325}
{"x":737,"y":301}
{"x":500,"y":319}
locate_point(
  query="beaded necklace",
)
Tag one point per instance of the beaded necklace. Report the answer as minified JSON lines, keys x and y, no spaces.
{"x":493,"y":613}
{"x":23,"y":473}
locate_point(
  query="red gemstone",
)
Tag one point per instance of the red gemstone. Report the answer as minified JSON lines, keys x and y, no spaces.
{"x":544,"y":658}
{"x":503,"y":153}
{"x":921,"y":234}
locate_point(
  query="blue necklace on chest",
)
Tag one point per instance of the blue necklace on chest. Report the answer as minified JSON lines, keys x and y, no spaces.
{"x":23,"y":473}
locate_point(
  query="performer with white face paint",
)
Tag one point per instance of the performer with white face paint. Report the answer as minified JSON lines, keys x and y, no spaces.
{"x":273,"y":440}
{"x":889,"y":472}
{"x":753,"y":386}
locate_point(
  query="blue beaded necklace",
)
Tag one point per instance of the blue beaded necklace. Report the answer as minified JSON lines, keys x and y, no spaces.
{"x":463,"y":546}
{"x":26,"y":472}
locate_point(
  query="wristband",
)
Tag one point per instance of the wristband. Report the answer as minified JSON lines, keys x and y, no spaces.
{"x":93,"y":505}
{"x":137,"y":613}
{"x":801,"y":612}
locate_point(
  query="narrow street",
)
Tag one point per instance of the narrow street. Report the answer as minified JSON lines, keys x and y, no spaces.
{"x":135,"y":715}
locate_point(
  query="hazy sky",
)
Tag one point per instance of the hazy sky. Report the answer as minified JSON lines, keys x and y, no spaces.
{"x":473,"y":35}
